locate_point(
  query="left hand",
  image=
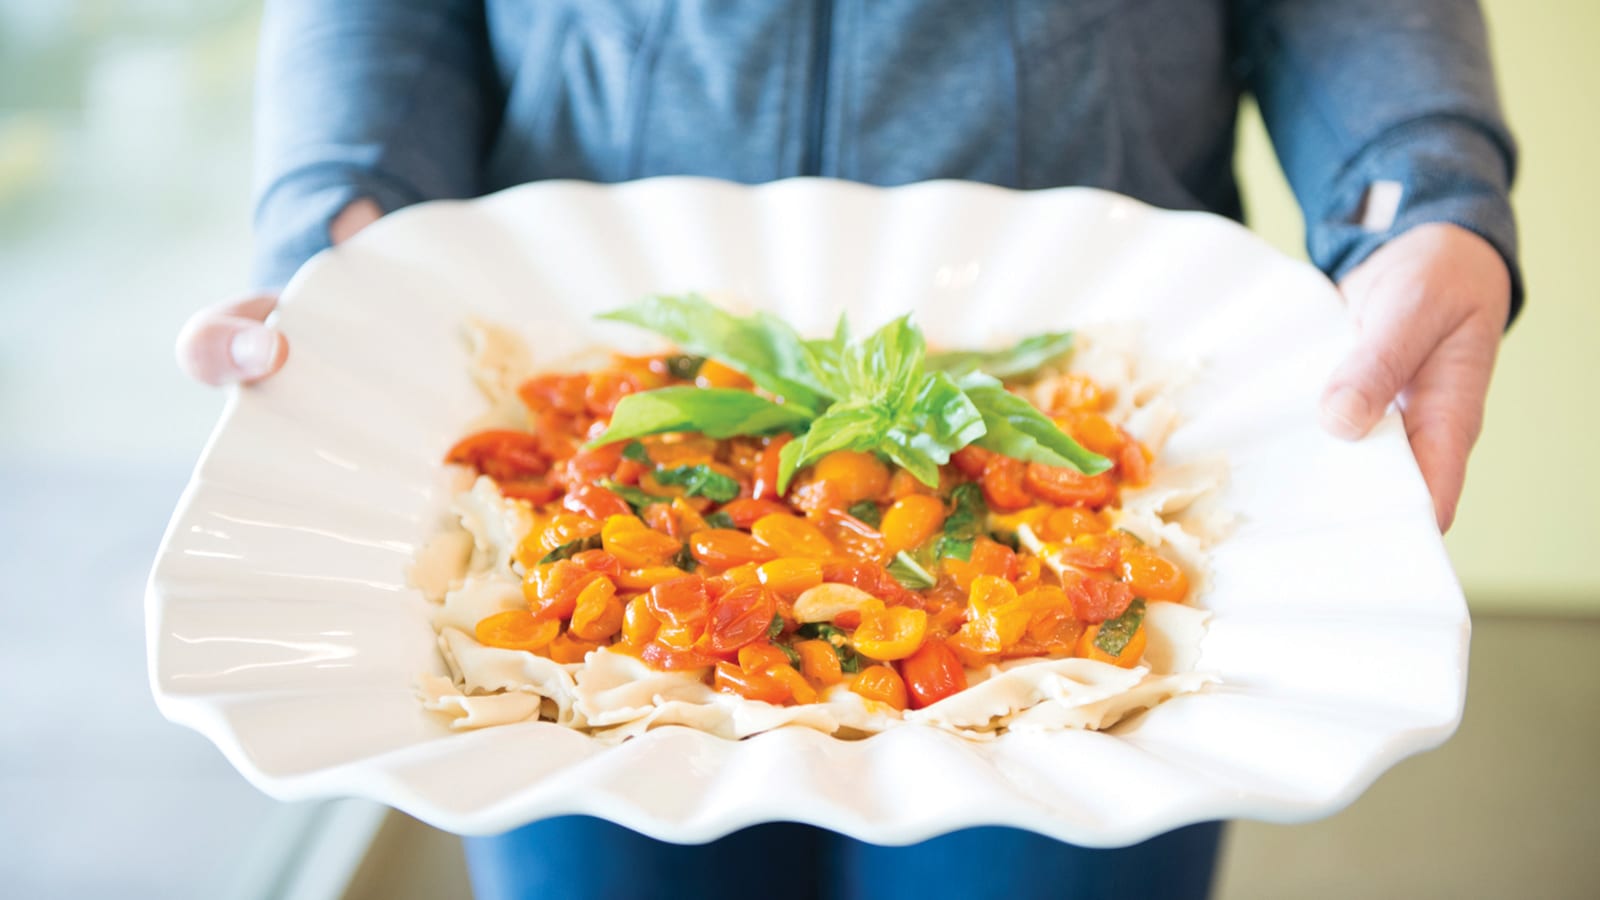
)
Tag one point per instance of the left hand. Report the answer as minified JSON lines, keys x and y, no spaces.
{"x":1430,"y":307}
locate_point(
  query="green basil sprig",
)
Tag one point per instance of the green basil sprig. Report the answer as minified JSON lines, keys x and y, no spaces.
{"x":882,"y":394}
{"x":700,"y":480}
{"x":1115,"y":634}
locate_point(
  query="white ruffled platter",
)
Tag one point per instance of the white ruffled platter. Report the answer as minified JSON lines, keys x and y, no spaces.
{"x":281,"y":624}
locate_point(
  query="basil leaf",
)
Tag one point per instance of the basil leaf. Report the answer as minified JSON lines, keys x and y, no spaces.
{"x":868,"y":512}
{"x":636,"y":498}
{"x":775,"y":628}
{"x":794,"y":656}
{"x":1022,"y":358}
{"x":762,"y":346}
{"x":572,"y":548}
{"x":910,"y":573}
{"x":948,"y":547}
{"x":849,"y":662}
{"x":715,"y":412}
{"x":684,"y":559}
{"x":1115,"y":634}
{"x":636,"y":452}
{"x":967,"y":514}
{"x":701,"y":480}
{"x":937,"y":421}
{"x":1016,"y":428}
{"x":720,"y":519}
{"x":826,"y":358}
{"x":822,"y":631}
{"x":684,"y":366}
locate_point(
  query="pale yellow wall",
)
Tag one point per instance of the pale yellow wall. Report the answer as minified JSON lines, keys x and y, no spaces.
{"x":1526,"y":538}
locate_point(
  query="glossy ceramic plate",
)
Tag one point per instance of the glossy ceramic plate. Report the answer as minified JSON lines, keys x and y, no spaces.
{"x":282,"y":628}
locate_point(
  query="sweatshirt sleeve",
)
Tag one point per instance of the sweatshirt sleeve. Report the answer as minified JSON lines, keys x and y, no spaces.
{"x":387,"y":99}
{"x":1358,"y":92}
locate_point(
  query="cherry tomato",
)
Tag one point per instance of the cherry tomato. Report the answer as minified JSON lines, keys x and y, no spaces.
{"x":819,"y":662}
{"x":564,"y":394}
{"x":758,"y":685}
{"x":595,"y":502}
{"x":881,"y":683}
{"x":1097,"y":599}
{"x":1133,"y":463}
{"x":765,"y":485}
{"x":670,"y":659}
{"x":1065,"y":486}
{"x":790,"y":535}
{"x":932,"y":674}
{"x":516,"y":629}
{"x":1152,"y":576}
{"x":854,"y":475}
{"x":679,"y":602}
{"x":970,"y":460}
{"x":1002,"y":483}
{"x":605,"y":390}
{"x":722,"y":548}
{"x":740,"y":617}
{"x":501,"y":454}
{"x":910,"y":521}
{"x":746,"y":511}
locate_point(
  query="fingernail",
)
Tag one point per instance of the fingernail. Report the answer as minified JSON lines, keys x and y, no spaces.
{"x":1345,"y":413}
{"x":253,"y":351}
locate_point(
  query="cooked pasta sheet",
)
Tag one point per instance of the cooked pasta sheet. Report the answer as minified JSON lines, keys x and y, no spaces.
{"x":470,"y":571}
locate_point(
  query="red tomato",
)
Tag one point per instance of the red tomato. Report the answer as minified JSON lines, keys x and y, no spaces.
{"x":679,"y":601}
{"x":744,"y":512}
{"x":666,"y":659}
{"x":1002,"y":483}
{"x":1132,"y":463}
{"x":932,"y":673}
{"x":605,"y":390}
{"x":740,"y":617}
{"x":501,"y":454}
{"x":590,"y":464}
{"x":766,"y":481}
{"x":595,"y":502}
{"x":1065,"y":486}
{"x":533,"y":490}
{"x":564,"y":394}
{"x":1097,"y":600}
{"x":971,"y":460}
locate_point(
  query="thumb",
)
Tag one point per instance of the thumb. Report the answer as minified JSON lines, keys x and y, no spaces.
{"x":1396,"y":337}
{"x":229,"y":343}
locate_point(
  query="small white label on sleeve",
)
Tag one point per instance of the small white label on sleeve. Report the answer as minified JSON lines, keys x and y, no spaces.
{"x":1381,"y":205}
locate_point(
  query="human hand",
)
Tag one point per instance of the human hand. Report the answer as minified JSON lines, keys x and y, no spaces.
{"x":1430,"y":307}
{"x":229,"y":343}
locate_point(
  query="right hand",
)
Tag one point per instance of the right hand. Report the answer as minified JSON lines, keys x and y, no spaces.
{"x":230,"y":344}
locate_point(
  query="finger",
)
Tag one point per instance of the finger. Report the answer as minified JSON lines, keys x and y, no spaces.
{"x":1443,"y":411}
{"x":228,"y":343}
{"x":1395,"y":340}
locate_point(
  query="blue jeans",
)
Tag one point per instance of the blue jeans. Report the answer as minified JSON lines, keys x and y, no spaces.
{"x":578,"y":856}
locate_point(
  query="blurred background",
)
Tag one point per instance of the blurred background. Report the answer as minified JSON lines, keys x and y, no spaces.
{"x":124,"y":206}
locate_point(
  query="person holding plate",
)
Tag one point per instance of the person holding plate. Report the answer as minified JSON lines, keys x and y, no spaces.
{"x":1384,"y":115}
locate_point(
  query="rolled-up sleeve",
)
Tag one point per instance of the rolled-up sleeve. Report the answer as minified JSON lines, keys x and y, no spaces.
{"x":1358,"y":92}
{"x":387,"y":99}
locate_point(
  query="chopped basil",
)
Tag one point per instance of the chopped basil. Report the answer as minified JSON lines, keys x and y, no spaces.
{"x":867,"y":511}
{"x":702,"y":481}
{"x":685,"y":366}
{"x":1115,"y":634}
{"x":775,"y":628}
{"x":849,"y":661}
{"x":794,"y":657}
{"x":635,"y":497}
{"x":572,"y":548}
{"x":636,"y":452}
{"x":910,"y":573}
{"x":1009,"y":538}
{"x":720,"y":519}
{"x":684,"y":559}
{"x":964,"y":524}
